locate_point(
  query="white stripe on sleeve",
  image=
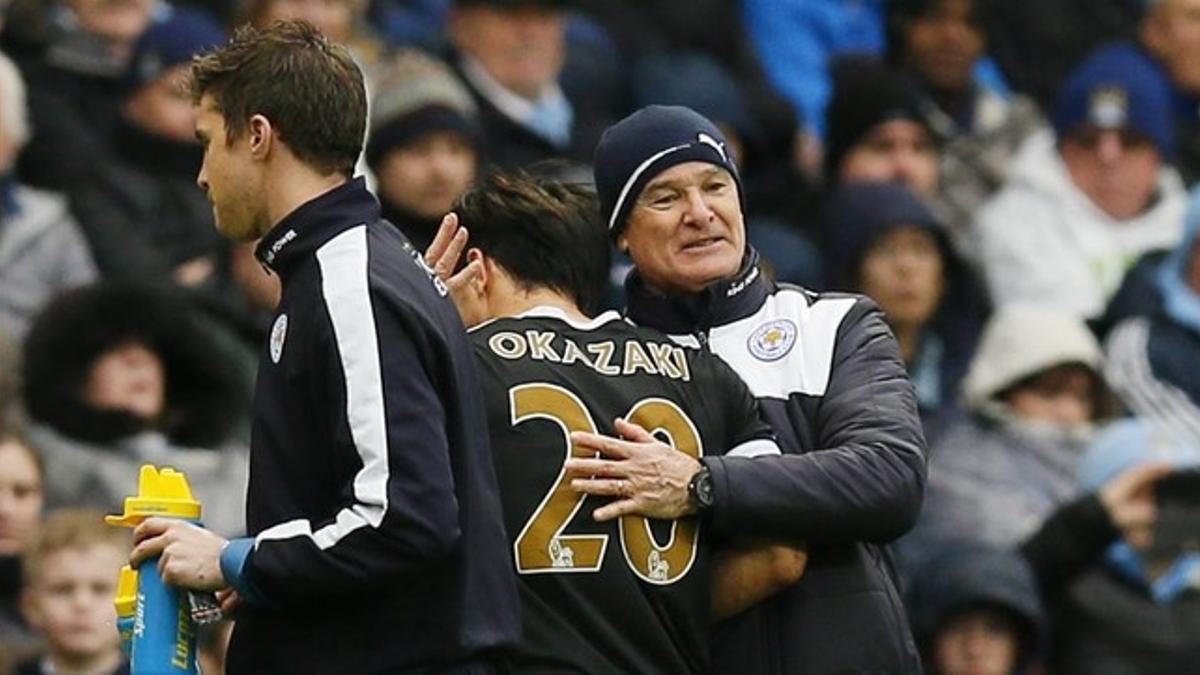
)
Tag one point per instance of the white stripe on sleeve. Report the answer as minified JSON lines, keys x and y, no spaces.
{"x":343,"y":263}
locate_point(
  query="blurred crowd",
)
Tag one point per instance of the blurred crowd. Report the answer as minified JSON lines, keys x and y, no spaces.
{"x":1010,"y":180}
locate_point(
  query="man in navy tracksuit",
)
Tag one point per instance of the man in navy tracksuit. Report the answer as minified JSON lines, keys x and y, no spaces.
{"x":378,"y":544}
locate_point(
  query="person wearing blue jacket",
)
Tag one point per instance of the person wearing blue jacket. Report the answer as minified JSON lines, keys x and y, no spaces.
{"x":376,"y":541}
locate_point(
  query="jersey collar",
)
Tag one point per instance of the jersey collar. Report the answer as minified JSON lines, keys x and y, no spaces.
{"x":315,"y":222}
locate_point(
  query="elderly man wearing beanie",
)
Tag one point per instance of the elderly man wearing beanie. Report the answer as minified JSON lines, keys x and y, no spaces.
{"x":1082,"y":204}
{"x":828,"y":376}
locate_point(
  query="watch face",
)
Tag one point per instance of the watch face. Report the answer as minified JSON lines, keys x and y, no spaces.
{"x":703,"y":490}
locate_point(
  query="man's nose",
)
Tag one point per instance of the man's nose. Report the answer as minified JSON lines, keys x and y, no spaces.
{"x":1109,"y":147}
{"x":698,"y":210}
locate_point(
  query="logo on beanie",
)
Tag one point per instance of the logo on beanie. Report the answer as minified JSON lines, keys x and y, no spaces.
{"x":278,"y":334}
{"x":1108,"y":107}
{"x":772,"y":340}
{"x":709,"y":140}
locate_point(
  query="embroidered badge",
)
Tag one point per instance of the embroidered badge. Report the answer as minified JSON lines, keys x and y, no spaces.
{"x":772,"y":340}
{"x":278,"y":334}
{"x":1108,"y":107}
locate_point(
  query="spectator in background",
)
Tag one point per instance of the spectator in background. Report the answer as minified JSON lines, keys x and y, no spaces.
{"x":21,"y":475}
{"x":413,"y":23}
{"x":74,"y":55}
{"x":798,"y":43}
{"x":977,"y":126}
{"x":1083,"y":203}
{"x":1135,"y":608}
{"x":343,"y":21}
{"x":883,"y":242}
{"x":42,"y":252}
{"x":423,"y":144}
{"x":1033,"y":392}
{"x":70,"y":580}
{"x":878,"y":131}
{"x":120,"y":375}
{"x":1152,"y":358}
{"x":1037,"y":43}
{"x":975,"y":610}
{"x":654,"y":37}
{"x":510,"y":54}
{"x":1169,"y":36}
{"x":142,"y":212}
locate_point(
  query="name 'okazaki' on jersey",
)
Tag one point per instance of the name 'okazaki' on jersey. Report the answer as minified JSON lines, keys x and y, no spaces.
{"x":606,"y":357}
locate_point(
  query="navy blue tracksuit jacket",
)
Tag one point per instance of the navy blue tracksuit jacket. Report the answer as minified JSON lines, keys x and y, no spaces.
{"x":378,"y":544}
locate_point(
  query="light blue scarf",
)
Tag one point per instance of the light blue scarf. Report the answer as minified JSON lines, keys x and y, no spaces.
{"x":1183,"y":574}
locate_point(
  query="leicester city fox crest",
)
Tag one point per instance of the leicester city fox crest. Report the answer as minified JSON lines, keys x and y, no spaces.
{"x":772,"y":340}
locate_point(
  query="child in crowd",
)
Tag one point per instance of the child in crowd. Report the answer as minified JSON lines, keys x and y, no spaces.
{"x":975,"y":611}
{"x":70,"y":579}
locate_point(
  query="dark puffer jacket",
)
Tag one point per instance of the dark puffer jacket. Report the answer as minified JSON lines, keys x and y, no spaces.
{"x":828,"y":377}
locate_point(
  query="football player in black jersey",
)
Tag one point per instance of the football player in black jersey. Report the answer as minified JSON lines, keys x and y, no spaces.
{"x":634,"y":594}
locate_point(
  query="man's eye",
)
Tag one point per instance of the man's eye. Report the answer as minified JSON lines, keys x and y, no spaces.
{"x":716,"y":186}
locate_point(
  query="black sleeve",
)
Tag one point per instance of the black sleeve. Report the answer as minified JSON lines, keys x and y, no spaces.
{"x":400,"y":511}
{"x":1069,"y":542}
{"x":867,"y":481}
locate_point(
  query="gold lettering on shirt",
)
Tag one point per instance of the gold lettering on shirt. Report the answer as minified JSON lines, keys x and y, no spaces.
{"x":508,"y":345}
{"x":636,"y":359}
{"x":604,"y":354}
{"x":572,"y":353}
{"x":539,"y":346}
{"x":661,"y":359}
{"x":663,"y":355}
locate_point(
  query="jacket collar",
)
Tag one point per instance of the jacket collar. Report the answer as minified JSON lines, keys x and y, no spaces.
{"x":725,"y":301}
{"x":315,"y":222}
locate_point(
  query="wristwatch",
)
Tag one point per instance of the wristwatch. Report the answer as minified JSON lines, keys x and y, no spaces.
{"x":700,"y":489}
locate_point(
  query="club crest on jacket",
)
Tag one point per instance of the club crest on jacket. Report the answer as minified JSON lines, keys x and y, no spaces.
{"x":772,"y":340}
{"x":278,"y":334}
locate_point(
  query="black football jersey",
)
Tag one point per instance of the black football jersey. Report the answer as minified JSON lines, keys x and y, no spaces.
{"x":627,"y":596}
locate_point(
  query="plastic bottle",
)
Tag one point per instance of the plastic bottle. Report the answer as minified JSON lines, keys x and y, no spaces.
{"x":126,"y":603}
{"x":164,"y":635}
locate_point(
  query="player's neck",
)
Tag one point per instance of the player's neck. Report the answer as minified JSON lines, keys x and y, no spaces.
{"x":294,"y":184}
{"x":519,"y":302}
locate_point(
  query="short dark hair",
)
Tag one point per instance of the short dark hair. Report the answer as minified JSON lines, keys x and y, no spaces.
{"x":308,"y":87}
{"x":546,"y":233}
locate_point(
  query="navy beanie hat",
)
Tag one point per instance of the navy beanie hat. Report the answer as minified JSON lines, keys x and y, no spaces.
{"x":173,"y":39}
{"x":856,"y":213}
{"x":638,"y":148}
{"x":1118,"y":87}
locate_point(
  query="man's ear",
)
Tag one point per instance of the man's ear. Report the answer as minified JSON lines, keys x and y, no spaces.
{"x":261,"y":136}
{"x":623,"y":244}
{"x":487,"y":273}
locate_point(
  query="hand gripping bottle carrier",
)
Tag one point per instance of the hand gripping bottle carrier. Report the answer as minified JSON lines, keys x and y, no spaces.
{"x":158,"y":619}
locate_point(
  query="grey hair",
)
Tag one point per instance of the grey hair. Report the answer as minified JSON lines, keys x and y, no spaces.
{"x":14,"y":115}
